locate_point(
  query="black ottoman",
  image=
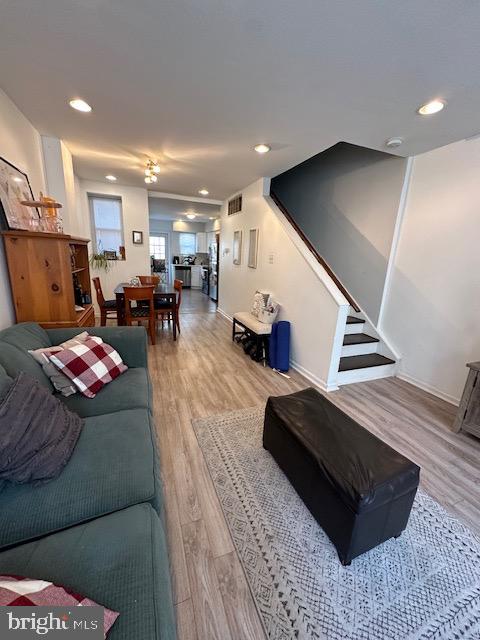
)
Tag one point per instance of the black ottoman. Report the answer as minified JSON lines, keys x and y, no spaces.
{"x":358,"y":488}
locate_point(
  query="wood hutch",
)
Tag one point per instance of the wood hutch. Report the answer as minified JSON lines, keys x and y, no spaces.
{"x":49,"y":276}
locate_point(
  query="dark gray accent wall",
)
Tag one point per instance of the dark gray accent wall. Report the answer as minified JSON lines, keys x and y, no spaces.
{"x":345,"y":200}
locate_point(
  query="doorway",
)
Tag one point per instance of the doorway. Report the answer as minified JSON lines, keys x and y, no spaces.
{"x":159,"y":256}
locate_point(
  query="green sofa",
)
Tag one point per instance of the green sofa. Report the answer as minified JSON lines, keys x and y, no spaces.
{"x":98,"y":528}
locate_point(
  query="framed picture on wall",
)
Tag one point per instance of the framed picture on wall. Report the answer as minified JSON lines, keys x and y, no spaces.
{"x":237,"y":247}
{"x":14,"y":189}
{"x":137,"y":237}
{"x":252,"y":248}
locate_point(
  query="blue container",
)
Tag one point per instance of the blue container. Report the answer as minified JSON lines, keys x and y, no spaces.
{"x":279,"y":357}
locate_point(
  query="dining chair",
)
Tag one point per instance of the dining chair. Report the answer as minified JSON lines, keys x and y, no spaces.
{"x":142,"y":312}
{"x":155,"y":280}
{"x":108,"y":308}
{"x":163,"y":308}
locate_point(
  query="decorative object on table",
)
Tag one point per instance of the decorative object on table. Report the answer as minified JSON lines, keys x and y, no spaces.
{"x":468,"y":414}
{"x":51,"y":222}
{"x":14,"y":189}
{"x":43,"y":286}
{"x":279,"y":353}
{"x":90,"y":365}
{"x":423,"y":585}
{"x":41,"y":593}
{"x":268,"y":314}
{"x":110,"y":255}
{"x":260,"y":300}
{"x":252,"y":248}
{"x":37,"y":432}
{"x":137,"y":237}
{"x":108,"y":308}
{"x":135,"y":281}
{"x":237,"y":247}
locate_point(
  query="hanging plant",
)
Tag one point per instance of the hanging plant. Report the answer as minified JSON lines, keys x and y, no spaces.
{"x":100,"y":262}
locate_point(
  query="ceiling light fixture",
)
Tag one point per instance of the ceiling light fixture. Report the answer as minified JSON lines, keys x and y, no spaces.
{"x":203,"y":192}
{"x":148,"y":180}
{"x":212,"y":218}
{"x":429,"y":108}
{"x":262,"y":148}
{"x":191,"y":216}
{"x":391,"y":143}
{"x":80,"y":105}
{"x":111,"y":178}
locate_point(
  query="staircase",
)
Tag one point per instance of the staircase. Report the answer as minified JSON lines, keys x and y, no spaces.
{"x":362,"y":356}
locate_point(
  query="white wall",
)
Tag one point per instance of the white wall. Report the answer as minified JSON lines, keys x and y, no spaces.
{"x":20,"y":144}
{"x":288,"y":275}
{"x":135,"y":218}
{"x":433,"y":307}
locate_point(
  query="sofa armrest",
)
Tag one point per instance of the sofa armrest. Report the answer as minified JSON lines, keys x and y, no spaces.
{"x":130,"y":342}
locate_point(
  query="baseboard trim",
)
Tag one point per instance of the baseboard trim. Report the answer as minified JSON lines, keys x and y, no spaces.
{"x":429,"y":388}
{"x":311,"y":377}
{"x":224,"y":314}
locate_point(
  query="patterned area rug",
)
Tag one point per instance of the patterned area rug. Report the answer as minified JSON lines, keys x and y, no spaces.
{"x":425,"y":584}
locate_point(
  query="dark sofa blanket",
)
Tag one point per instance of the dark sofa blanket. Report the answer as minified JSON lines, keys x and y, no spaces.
{"x":37,"y":432}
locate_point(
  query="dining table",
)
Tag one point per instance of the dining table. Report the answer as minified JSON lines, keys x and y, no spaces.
{"x":162,"y":292}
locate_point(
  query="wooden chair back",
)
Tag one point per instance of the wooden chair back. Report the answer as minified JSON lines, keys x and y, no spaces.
{"x":155,"y":280}
{"x":178,"y":285}
{"x":138,"y":293}
{"x":98,"y":292}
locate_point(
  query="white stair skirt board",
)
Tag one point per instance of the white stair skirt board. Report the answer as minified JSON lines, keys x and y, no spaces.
{"x":364,"y":375}
{"x":359,"y":349}
{"x":358,"y":327}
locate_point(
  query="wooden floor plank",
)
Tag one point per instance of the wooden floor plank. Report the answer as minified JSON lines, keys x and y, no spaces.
{"x":186,"y":627}
{"x":210,"y":617}
{"x":240,"y":608}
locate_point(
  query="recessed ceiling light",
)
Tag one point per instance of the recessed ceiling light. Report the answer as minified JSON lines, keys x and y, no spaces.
{"x":212,"y":218}
{"x":191,"y":216}
{"x":80,"y":105}
{"x":16,"y":179}
{"x":203,"y":192}
{"x":429,"y":108}
{"x":262,"y":148}
{"x":110,"y":177}
{"x":393,"y":142}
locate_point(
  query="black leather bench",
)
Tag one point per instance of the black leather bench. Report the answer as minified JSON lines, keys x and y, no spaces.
{"x":358,"y":488}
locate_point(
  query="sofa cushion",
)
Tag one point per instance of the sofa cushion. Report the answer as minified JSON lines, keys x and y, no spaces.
{"x":119,"y":560}
{"x":26,"y":335}
{"x":5,"y":382}
{"x":112,"y":467}
{"x":131,"y":390}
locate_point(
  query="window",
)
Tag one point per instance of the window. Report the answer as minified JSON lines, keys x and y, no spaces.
{"x":188,"y":244}
{"x":158,"y":247}
{"x":106,"y":214}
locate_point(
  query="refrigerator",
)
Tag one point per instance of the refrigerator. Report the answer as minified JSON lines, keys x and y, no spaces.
{"x":213,"y":266}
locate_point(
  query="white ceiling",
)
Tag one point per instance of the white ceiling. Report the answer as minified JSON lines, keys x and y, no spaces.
{"x":176,"y":209}
{"x":196,"y":83}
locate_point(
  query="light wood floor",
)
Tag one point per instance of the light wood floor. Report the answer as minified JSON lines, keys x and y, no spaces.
{"x":203,"y":374}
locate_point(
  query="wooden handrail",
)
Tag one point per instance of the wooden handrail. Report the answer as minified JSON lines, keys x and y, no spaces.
{"x":315,"y":253}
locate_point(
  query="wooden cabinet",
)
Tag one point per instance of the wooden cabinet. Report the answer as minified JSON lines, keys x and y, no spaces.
{"x":202,"y":242}
{"x":468,"y":415}
{"x":44,"y":269}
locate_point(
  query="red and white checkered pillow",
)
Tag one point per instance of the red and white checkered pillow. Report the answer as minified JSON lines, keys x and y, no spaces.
{"x":16,"y":591}
{"x":89,"y":365}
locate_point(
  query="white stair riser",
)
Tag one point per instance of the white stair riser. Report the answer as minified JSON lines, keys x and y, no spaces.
{"x":359,"y":349}
{"x":363,"y":375}
{"x":354,"y":328}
